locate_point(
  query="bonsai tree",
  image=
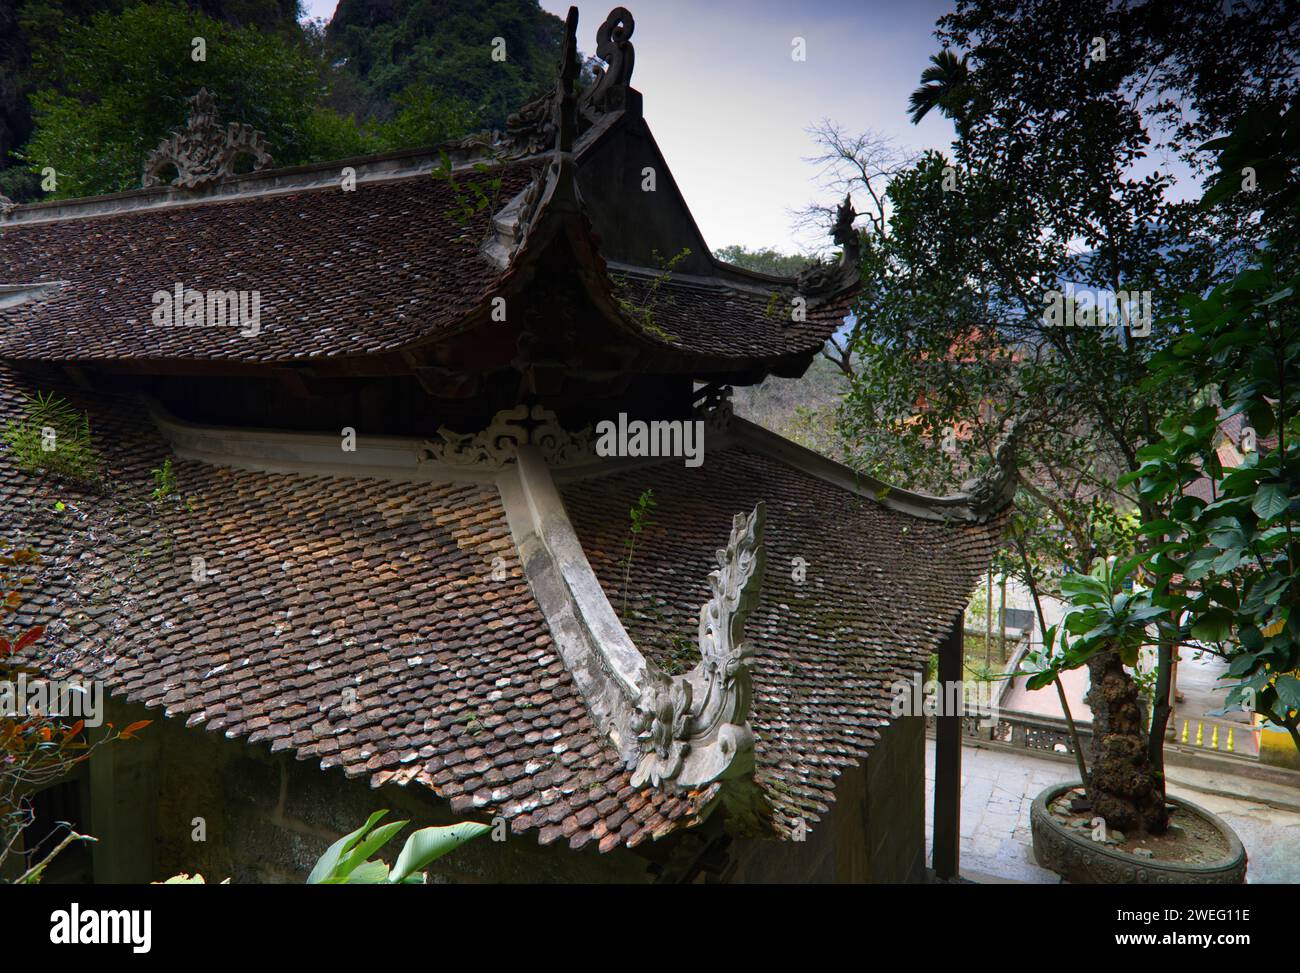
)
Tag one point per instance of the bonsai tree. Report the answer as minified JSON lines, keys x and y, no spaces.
{"x":1104,"y":630}
{"x":1220,"y":573}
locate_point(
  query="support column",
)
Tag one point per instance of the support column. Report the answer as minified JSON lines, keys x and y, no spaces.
{"x":947,"y":759}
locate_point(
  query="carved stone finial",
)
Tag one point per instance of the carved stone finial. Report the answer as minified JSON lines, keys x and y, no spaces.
{"x":7,"y":206}
{"x":821,"y":280}
{"x":842,"y":231}
{"x":204,"y":152}
{"x":613,"y":46}
{"x":996,"y":487}
{"x":694,"y":729}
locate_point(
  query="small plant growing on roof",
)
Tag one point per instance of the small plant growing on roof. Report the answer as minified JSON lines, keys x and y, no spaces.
{"x":641,"y":519}
{"x":642,"y":309}
{"x":164,"y":480}
{"x":53,"y":438}
{"x":469,"y":196}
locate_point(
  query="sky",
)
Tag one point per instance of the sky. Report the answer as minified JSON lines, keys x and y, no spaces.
{"x":729,"y":106}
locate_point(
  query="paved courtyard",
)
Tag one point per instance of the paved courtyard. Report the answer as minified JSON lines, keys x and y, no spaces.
{"x":998,"y":788}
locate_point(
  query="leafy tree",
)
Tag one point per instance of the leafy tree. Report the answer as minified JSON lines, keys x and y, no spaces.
{"x":119,"y":83}
{"x":1046,"y":190}
{"x":445,"y":46}
{"x":943,"y":86}
{"x":764,"y":260}
{"x":1228,"y":566}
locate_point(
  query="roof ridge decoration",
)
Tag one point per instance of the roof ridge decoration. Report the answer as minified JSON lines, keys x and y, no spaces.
{"x":819,"y":281}
{"x":993,"y":489}
{"x":498,"y":444}
{"x":204,"y":152}
{"x":694,"y":729}
{"x":539,"y":125}
{"x":608,"y":93}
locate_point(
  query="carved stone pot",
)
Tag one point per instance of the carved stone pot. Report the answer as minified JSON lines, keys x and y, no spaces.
{"x":1077,"y":858}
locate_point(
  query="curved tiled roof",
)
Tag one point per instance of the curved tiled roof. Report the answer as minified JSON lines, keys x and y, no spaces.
{"x":392,"y":264}
{"x":711,"y":318}
{"x":387,"y":627}
{"x":339,"y":273}
{"x":881,"y":590}
{"x":351,"y":621}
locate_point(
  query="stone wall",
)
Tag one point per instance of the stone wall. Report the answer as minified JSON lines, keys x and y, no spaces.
{"x":874,"y":832}
{"x":268,"y":818}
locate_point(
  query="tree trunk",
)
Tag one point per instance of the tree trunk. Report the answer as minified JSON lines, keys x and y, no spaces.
{"x":1126,"y":790}
{"x":1166,"y":652}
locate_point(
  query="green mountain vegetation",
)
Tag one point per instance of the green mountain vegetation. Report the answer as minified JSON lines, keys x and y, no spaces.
{"x":387,"y":47}
{"x":89,"y":87}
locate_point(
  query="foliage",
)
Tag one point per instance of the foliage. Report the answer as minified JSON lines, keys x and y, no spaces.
{"x":763,"y":260}
{"x":348,"y":861}
{"x":117,"y":85}
{"x":36,"y":749}
{"x":425,"y":116}
{"x":445,"y":46}
{"x":471,"y":195}
{"x":642,"y":307}
{"x":1046,"y":190}
{"x":1231,"y":563}
{"x":53,"y":438}
{"x":641,"y":517}
{"x":1103,"y":616}
{"x":164,"y":480}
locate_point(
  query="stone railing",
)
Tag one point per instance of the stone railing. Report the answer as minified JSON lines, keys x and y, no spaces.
{"x":1217,"y":736}
{"x":1049,"y":734}
{"x":1029,"y":731}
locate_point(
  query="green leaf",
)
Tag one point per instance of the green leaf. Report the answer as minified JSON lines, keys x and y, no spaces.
{"x":1270,"y":501}
{"x":334,"y":853}
{"x":1288,"y":691}
{"x":429,"y":844}
{"x":372,"y":844}
{"x":1214,"y":626}
{"x":368,"y":873}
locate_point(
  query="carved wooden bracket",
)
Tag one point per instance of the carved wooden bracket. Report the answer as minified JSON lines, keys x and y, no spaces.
{"x":204,"y":152}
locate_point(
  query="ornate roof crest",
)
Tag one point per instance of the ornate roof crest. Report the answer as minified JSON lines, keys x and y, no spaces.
{"x":613,"y":46}
{"x":204,"y":152}
{"x":694,"y":729}
{"x":496,"y":445}
{"x":824,"y":280}
{"x":996,"y":487}
{"x":553,"y":119}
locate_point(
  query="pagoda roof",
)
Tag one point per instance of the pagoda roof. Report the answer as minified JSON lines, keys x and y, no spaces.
{"x":373,"y":277}
{"x":455,"y":617}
